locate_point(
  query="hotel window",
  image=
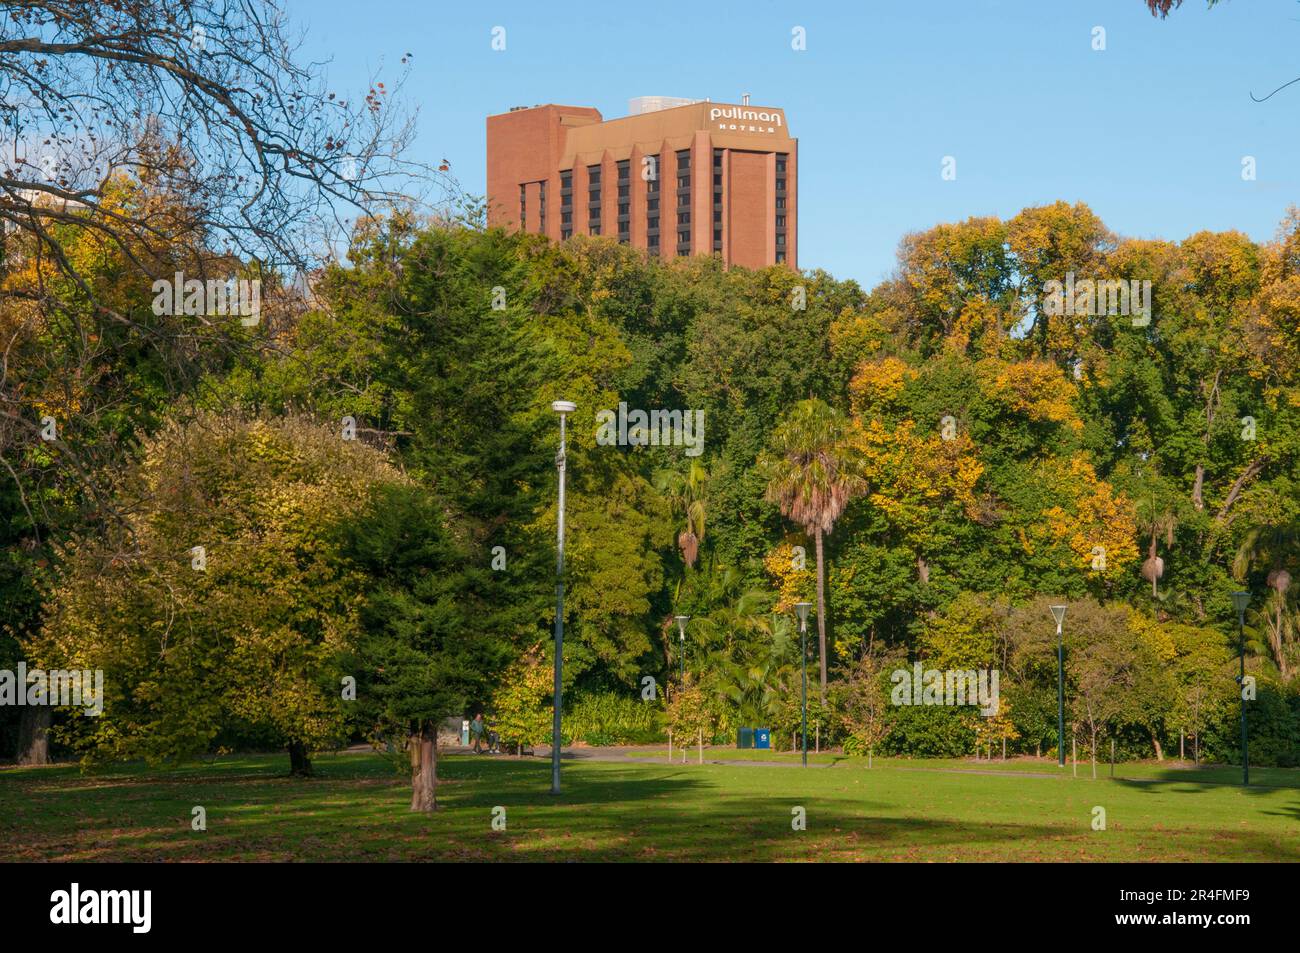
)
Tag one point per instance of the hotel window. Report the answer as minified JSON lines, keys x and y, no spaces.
{"x":523,"y":208}
{"x":593,"y":199}
{"x":683,"y":201}
{"x":652,"y":202}
{"x":781,"y":159}
{"x":717,"y":199}
{"x":624,"y":207}
{"x":566,"y":203}
{"x":541,"y":208}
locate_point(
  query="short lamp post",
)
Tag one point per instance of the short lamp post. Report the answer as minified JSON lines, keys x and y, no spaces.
{"x":802,"y":608}
{"x":1058,"y":613}
{"x":563,"y":408}
{"x":1240,"y":602}
{"x":681,"y":629}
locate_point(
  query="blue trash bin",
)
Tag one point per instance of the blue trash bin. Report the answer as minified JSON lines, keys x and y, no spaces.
{"x":762,"y":738}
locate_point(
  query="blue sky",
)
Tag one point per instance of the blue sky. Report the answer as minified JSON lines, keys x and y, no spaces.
{"x":1150,"y":132}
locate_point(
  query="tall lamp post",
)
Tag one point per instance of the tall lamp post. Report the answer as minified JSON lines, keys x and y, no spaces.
{"x":563,"y":408}
{"x":1058,"y":613}
{"x":681,"y":628}
{"x":802,"y":608}
{"x":1240,"y":601}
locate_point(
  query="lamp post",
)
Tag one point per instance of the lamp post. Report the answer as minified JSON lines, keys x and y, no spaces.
{"x":802,"y":608}
{"x":1058,"y":613}
{"x":1240,"y":600}
{"x":681,"y":628}
{"x":563,"y":408}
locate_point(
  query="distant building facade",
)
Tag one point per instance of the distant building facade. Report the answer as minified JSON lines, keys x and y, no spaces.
{"x":674,"y":178}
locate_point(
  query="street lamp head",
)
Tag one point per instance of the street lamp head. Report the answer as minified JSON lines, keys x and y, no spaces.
{"x":803,"y":608}
{"x":1058,"y":613}
{"x":1240,"y":602}
{"x":563,"y":406}
{"x":681,"y":624}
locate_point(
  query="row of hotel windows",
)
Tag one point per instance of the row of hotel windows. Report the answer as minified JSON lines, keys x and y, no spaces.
{"x":652,"y":203}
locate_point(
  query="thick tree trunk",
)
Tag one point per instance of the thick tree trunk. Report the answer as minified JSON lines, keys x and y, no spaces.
{"x":299,"y":763}
{"x":821,"y":610}
{"x":1160,"y":752}
{"x":34,"y":734}
{"x":424,"y":769}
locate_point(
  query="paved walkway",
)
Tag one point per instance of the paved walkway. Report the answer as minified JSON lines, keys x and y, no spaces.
{"x":635,"y":754}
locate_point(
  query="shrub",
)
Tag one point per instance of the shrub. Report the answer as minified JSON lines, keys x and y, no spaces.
{"x":613,"y":718}
{"x":929,"y":731}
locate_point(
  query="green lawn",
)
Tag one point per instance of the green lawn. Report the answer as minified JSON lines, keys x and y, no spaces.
{"x":356,"y":809}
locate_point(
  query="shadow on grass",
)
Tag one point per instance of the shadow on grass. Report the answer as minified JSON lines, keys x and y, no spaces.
{"x":356,"y":810}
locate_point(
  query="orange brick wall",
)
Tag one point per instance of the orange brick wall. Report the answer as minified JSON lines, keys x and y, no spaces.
{"x":528,"y":146}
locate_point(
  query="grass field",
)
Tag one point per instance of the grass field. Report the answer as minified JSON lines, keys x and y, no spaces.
{"x":356,"y":809}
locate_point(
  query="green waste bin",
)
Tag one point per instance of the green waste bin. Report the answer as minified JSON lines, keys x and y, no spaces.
{"x":745,"y":738}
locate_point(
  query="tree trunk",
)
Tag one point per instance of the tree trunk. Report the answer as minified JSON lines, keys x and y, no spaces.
{"x":424,"y":769}
{"x":299,"y":763}
{"x":1160,"y":753}
{"x":34,"y":734}
{"x":821,"y":611}
{"x":1198,"y":499}
{"x":1278,"y":648}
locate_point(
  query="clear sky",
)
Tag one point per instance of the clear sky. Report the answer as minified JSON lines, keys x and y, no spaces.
{"x":1150,"y":132}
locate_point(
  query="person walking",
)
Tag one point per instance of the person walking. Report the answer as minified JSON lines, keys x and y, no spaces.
{"x":478,"y":729}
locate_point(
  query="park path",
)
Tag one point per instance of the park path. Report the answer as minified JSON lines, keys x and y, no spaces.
{"x":634,"y":754}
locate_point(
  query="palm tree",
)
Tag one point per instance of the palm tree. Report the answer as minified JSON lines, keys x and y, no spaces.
{"x":812,"y":472}
{"x":1276,"y":547}
{"x":686,"y":496}
{"x":1158,"y":521}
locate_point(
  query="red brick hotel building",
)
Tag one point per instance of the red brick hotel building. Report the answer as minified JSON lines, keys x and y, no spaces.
{"x":697,"y":179}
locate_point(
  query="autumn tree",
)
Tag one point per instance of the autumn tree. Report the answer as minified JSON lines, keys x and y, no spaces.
{"x":226,"y":597}
{"x":860,"y":700}
{"x":521,"y":708}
